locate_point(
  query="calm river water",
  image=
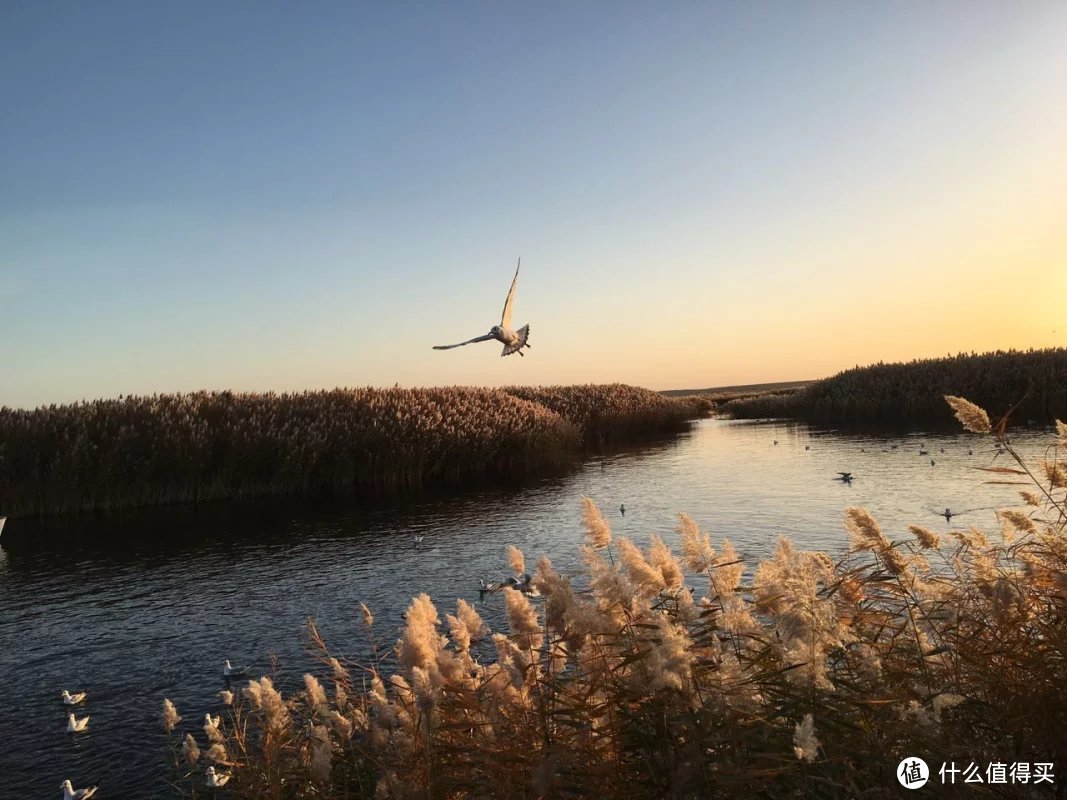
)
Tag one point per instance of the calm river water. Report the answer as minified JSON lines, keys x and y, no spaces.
{"x":136,"y":609}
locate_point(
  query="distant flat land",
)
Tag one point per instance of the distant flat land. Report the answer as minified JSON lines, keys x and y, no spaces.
{"x":752,"y":388}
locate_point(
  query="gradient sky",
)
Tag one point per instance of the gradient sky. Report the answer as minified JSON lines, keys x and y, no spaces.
{"x":255,"y":195}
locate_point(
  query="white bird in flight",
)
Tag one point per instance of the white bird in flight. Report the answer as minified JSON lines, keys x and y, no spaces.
{"x":76,"y":725}
{"x":513,"y":341}
{"x":72,"y":699}
{"x":216,"y":780}
{"x":70,"y":793}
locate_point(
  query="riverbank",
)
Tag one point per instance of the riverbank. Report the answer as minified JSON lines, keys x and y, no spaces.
{"x":189,"y":448}
{"x":1031,"y":385}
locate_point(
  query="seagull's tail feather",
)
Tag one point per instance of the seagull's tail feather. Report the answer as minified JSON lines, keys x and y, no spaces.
{"x":523,"y":333}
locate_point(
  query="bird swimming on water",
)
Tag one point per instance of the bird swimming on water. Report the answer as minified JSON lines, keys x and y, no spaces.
{"x":523,"y":584}
{"x":72,"y":699}
{"x":948,"y":513}
{"x":622,"y":510}
{"x":513,"y":341}
{"x":70,"y":793}
{"x":233,"y":672}
{"x":76,"y":725}
{"x":845,"y":477}
{"x":216,"y":780}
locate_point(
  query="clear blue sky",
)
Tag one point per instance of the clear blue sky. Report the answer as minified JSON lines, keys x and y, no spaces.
{"x":256,"y":195}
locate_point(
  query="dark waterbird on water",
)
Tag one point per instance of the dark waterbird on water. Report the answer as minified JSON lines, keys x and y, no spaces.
{"x":622,"y":510}
{"x":844,"y":477}
{"x":948,"y":513}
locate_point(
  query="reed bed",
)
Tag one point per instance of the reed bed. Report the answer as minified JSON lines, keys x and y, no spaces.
{"x":137,"y":451}
{"x":1031,"y":384}
{"x":211,"y":445}
{"x":652,"y":675}
{"x":704,"y":405}
{"x":607,"y":412}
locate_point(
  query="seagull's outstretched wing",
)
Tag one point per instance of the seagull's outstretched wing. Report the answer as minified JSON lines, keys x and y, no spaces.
{"x":505,"y":318}
{"x":485,"y":338}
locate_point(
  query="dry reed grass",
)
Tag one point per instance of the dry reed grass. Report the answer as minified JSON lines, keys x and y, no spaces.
{"x":810,"y":677}
{"x":608,"y":411}
{"x":1032,"y":385}
{"x":211,"y":445}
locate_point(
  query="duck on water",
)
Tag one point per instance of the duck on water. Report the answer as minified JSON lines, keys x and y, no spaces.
{"x":522,"y":584}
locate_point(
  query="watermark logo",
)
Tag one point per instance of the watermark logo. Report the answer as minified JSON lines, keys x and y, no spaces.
{"x":913,"y":772}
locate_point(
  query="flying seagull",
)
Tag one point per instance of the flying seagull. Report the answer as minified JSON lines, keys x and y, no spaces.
{"x":513,"y":341}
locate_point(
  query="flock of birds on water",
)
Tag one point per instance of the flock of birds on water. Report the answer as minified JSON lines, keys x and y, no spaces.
{"x":948,"y":513}
{"x":214,"y":779}
{"x":523,"y":583}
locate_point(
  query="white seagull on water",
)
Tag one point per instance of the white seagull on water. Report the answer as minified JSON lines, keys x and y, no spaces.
{"x":72,"y":699}
{"x":76,"y":725}
{"x":233,"y":672}
{"x":513,"y":341}
{"x":70,"y":793}
{"x":216,"y":780}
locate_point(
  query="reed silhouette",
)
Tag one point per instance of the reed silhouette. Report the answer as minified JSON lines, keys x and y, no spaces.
{"x":1031,"y":384}
{"x":137,"y":451}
